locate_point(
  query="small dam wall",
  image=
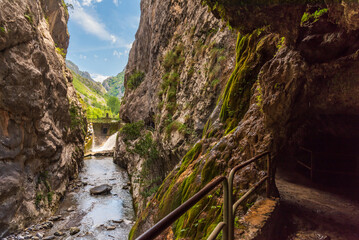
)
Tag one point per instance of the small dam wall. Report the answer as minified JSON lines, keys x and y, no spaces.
{"x":103,"y":130}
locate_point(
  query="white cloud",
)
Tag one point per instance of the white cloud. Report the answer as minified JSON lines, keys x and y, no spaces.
{"x":98,"y":77}
{"x":89,"y":23}
{"x":129,"y":46}
{"x":89,"y":2}
{"x":117,"y":2}
{"x":84,"y":57}
{"x":105,"y":59}
{"x":117,"y":53}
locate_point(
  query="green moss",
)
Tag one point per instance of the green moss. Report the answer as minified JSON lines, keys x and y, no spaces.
{"x":61,"y":52}
{"x":210,"y":171}
{"x":313,"y":17}
{"x":191,"y":155}
{"x":29,"y":18}
{"x":252,"y":52}
{"x":38,"y":199}
{"x":2,"y":30}
{"x":49,"y":197}
{"x":259,"y":97}
{"x":76,"y":117}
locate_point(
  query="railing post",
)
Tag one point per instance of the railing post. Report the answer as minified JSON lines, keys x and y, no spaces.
{"x":269,"y":174}
{"x":230,"y":207}
{"x":226,"y":208}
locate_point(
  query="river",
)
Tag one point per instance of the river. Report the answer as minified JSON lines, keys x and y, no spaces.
{"x":84,"y":216}
{"x":98,"y":217}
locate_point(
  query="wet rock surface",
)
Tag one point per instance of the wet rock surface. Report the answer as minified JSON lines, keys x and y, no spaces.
{"x":101,"y":190}
{"x":90,"y":217}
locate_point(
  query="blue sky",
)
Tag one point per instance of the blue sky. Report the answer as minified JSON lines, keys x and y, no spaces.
{"x":101,"y":34}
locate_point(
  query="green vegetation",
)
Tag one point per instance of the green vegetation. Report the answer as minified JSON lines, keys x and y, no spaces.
{"x":38,"y":199}
{"x":181,"y":127}
{"x":61,"y":52}
{"x":115,"y":85}
{"x":146,"y":148}
{"x":93,"y":98}
{"x":132,"y":131}
{"x":314,"y":16}
{"x":172,"y":60}
{"x":281,"y":43}
{"x":259,"y":97}
{"x":135,"y":79}
{"x":43,"y":194}
{"x":2,"y":29}
{"x":114,"y":104}
{"x":29,"y":18}
{"x":76,"y":116}
{"x":252,"y":52}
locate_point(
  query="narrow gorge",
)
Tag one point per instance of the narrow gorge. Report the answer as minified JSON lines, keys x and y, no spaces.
{"x":208,"y":86}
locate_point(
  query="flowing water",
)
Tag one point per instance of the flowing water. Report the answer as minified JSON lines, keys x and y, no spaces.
{"x":95,"y":215}
{"x":108,"y":145}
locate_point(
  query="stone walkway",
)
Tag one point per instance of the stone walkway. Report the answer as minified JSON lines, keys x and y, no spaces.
{"x":317,"y":210}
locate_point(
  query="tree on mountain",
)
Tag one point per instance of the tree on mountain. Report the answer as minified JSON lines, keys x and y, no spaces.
{"x":114,"y":104}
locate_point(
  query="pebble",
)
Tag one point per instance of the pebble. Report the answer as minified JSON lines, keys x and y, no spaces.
{"x":110,"y":228}
{"x":55,"y":218}
{"x":58,"y":233}
{"x":49,"y":238}
{"x":70,"y":209}
{"x":118,"y":221}
{"x":40,"y":235}
{"x":48,"y":225}
{"x":74,"y":230}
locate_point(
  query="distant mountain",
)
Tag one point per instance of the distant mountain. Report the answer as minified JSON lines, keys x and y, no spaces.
{"x":72,"y":66}
{"x":85,"y":78}
{"x":94,"y":97}
{"x":115,"y":85}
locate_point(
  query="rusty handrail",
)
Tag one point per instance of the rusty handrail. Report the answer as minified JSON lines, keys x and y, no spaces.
{"x":227,"y":226}
{"x":167,"y":221}
{"x":233,"y":206}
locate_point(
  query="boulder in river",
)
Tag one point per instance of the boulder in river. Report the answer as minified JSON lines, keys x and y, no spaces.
{"x":102,"y":189}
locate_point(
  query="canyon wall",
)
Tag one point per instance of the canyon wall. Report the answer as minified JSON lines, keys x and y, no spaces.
{"x":294,"y":83}
{"x":41,"y":122}
{"x":182,"y":57}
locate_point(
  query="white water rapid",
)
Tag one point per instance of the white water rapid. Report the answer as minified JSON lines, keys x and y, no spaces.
{"x":108,"y":145}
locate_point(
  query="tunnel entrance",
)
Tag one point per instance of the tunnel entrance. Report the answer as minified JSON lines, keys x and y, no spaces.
{"x":331,"y":159}
{"x":317,"y":179}
{"x":326,"y":150}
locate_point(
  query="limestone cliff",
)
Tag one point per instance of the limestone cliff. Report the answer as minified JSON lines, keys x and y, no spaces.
{"x":177,"y":67}
{"x":41,"y":123}
{"x":294,"y":83}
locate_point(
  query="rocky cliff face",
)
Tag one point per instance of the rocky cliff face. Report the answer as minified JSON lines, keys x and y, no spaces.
{"x":41,"y":124}
{"x":293,"y":84}
{"x":177,"y":68}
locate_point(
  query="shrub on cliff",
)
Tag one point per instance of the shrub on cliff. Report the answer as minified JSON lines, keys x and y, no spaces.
{"x":131,"y":131}
{"x":135,"y":79}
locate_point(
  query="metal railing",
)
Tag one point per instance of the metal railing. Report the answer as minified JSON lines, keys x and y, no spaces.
{"x":229,"y":208}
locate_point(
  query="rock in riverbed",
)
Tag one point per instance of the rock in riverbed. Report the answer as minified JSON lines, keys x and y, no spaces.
{"x":102,"y":189}
{"x":74,"y":230}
